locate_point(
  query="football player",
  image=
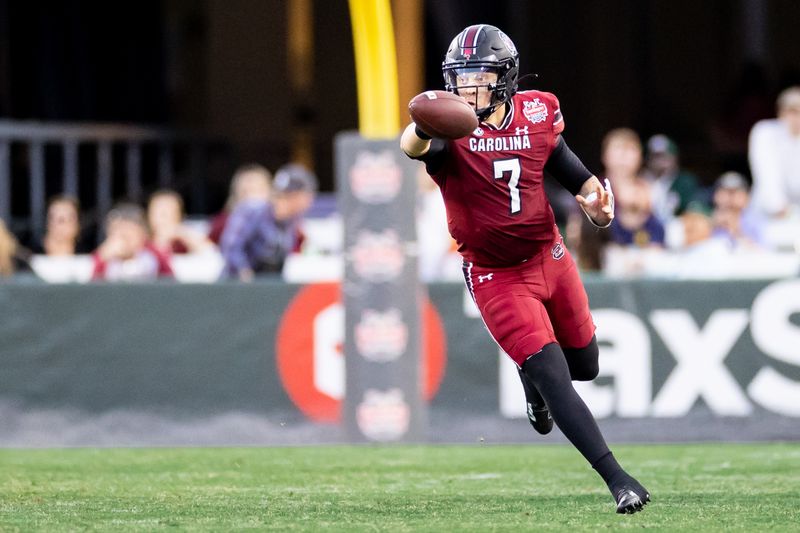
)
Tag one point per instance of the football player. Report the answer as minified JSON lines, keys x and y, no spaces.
{"x":515,"y":265}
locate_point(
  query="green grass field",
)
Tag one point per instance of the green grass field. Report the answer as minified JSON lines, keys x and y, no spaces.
{"x":395,"y":488}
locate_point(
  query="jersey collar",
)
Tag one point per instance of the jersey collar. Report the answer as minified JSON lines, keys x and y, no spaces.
{"x":506,"y":120}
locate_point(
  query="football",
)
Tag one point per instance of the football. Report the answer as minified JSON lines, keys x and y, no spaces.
{"x":442,"y":114}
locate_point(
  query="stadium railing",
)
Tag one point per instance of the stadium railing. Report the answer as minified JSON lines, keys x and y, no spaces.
{"x":43,"y":153}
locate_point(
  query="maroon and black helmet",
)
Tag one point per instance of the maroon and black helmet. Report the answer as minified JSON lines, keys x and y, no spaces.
{"x":486,"y":48}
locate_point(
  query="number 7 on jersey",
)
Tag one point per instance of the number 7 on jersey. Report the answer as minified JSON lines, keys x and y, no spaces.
{"x":503,"y":166}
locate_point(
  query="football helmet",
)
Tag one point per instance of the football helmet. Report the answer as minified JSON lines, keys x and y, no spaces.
{"x":486,"y":48}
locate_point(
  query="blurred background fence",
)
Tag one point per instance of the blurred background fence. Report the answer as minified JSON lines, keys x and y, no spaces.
{"x":114,"y":160}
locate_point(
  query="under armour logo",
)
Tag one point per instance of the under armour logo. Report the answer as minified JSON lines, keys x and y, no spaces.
{"x":487,"y":277}
{"x":522,"y":131}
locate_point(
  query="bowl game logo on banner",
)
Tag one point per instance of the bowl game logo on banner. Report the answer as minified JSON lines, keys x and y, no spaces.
{"x":383,"y":416}
{"x":378,"y":256}
{"x":375,"y":178}
{"x":310,"y":361}
{"x":381,"y":336}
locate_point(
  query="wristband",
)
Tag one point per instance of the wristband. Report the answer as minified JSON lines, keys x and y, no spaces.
{"x":421,"y":134}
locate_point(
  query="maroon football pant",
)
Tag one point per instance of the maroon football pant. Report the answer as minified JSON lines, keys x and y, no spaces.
{"x":533,"y":304}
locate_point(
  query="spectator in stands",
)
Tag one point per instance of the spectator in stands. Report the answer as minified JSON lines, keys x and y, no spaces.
{"x":63,"y":234}
{"x":126,"y":254}
{"x":8,"y":250}
{"x":621,"y":155}
{"x":697,"y":225}
{"x":635,"y":232}
{"x":261,"y":232}
{"x":438,"y":258}
{"x":671,"y":187}
{"x":636,"y":235}
{"x":250,"y":181}
{"x":168,"y":234}
{"x":774,"y":154}
{"x":733,"y":220}
{"x":635,"y":223}
{"x":13,"y":258}
{"x":698,"y":254}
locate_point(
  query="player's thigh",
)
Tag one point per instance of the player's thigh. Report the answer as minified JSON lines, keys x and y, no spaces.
{"x":568,"y":307}
{"x":518,"y":321}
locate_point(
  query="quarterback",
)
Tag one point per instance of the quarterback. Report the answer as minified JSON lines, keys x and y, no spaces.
{"x":515,"y":264}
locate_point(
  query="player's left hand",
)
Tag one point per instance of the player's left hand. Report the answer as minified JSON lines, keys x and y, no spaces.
{"x":598,"y":204}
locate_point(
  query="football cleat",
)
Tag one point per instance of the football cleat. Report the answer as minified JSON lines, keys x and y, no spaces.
{"x":540,"y":419}
{"x":630,"y":501}
{"x":538,"y":413}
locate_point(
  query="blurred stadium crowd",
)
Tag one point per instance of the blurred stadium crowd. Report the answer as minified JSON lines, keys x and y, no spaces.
{"x":671,"y":225}
{"x":258,"y":227}
{"x":669,"y":222}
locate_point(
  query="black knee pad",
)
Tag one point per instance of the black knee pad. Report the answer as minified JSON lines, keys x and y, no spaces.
{"x":583,"y":362}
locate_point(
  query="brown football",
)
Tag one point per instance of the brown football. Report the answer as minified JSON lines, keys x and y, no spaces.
{"x":442,"y":114}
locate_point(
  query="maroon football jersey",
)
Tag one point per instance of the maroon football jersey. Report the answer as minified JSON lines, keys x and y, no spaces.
{"x":493,"y":183}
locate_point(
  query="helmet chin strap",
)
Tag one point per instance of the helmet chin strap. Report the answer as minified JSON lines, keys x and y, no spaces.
{"x":486,"y":112}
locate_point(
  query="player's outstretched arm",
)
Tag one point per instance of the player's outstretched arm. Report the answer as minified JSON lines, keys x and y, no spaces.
{"x":412,"y":144}
{"x":597,"y":201}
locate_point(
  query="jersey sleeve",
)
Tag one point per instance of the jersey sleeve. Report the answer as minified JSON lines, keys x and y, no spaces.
{"x":566,"y":168}
{"x":558,"y":117}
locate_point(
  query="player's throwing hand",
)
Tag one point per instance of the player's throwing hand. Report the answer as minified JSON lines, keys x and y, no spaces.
{"x":599,"y":203}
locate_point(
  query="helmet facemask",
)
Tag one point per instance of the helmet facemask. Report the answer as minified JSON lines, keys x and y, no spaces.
{"x":497,"y":88}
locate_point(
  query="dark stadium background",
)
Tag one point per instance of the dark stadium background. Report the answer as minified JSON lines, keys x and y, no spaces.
{"x":679,"y":67}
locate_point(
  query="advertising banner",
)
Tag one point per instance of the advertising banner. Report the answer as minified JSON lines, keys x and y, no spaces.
{"x":678,"y":361}
{"x":377,"y":198}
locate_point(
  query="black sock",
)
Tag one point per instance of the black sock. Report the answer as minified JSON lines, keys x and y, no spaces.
{"x":532,"y":396}
{"x":608,"y":468}
{"x":549,"y":373}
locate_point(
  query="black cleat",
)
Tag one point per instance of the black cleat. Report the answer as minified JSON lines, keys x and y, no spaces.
{"x":538,"y":413}
{"x":540,"y":418}
{"x":631,"y":497}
